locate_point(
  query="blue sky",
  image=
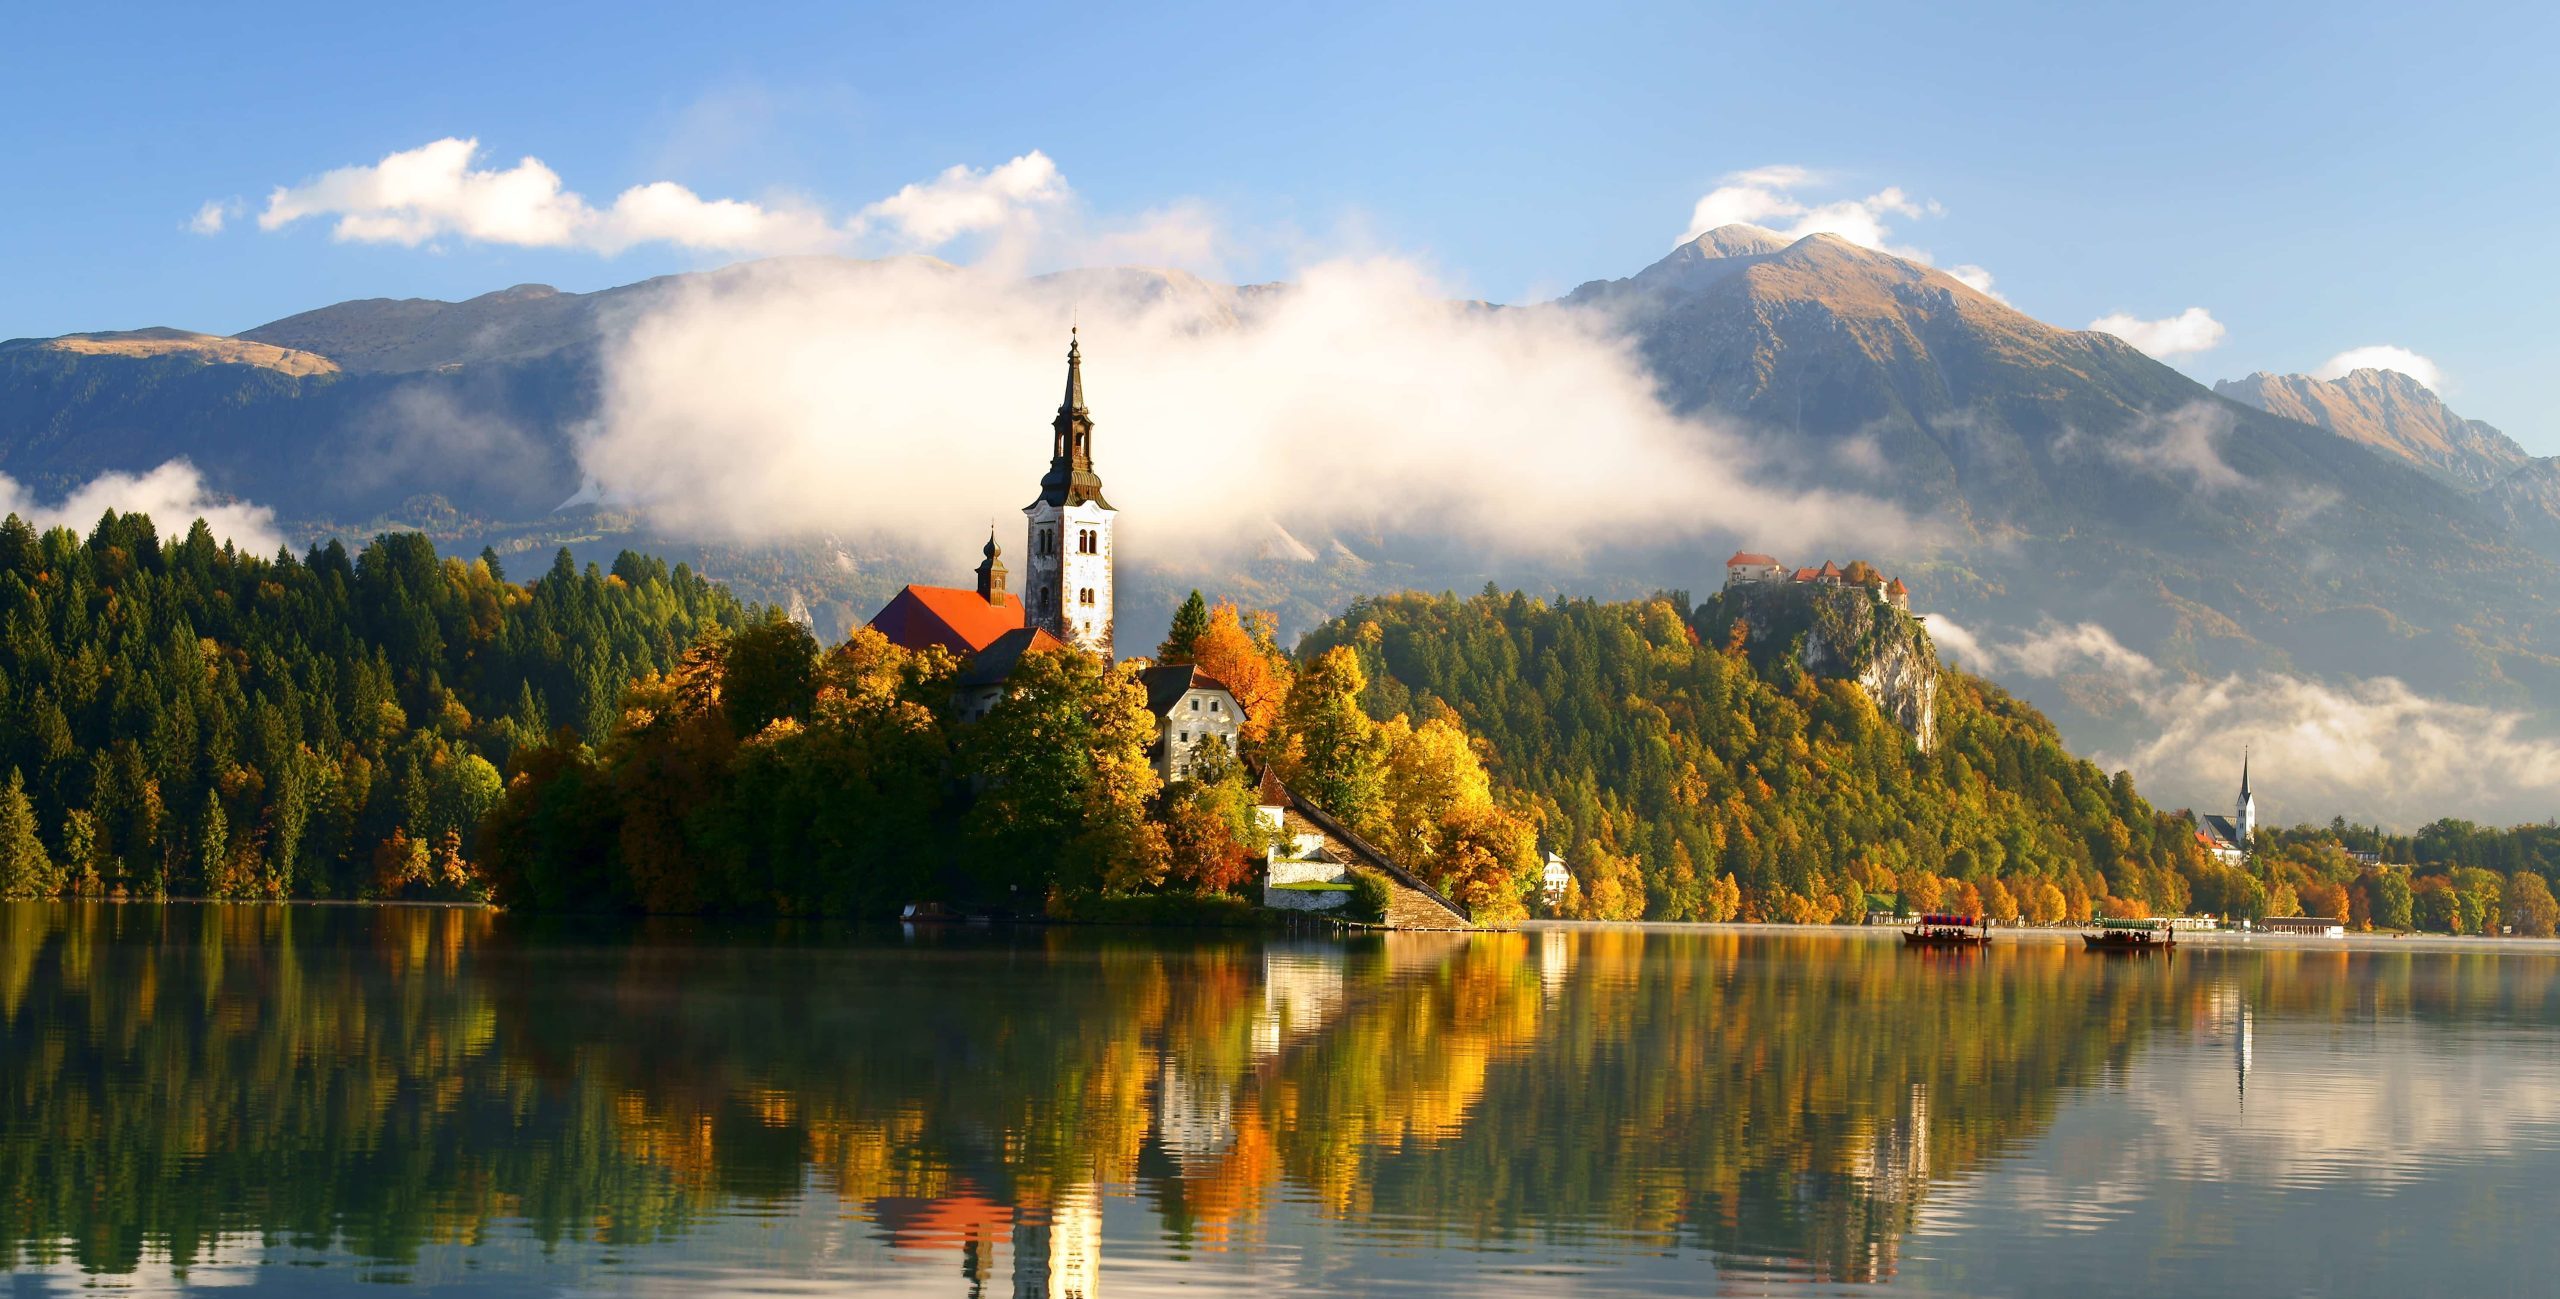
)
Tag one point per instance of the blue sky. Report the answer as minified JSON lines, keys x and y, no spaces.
{"x":2317,"y":178}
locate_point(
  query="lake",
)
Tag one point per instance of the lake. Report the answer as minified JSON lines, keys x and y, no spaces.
{"x":318,"y":1099}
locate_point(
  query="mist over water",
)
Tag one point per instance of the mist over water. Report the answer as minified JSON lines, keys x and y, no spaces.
{"x":319,"y":1099}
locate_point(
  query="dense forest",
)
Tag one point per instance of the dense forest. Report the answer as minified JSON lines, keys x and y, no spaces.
{"x":185,"y":718}
{"x":1683,"y":781}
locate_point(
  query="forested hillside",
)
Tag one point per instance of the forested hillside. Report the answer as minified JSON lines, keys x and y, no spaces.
{"x":1661,"y":766}
{"x":185,"y":718}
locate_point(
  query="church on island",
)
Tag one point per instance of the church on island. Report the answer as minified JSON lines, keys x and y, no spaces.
{"x":1066,"y":602}
{"x":1066,"y":594}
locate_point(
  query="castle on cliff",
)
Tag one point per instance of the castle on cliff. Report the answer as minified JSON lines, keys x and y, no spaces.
{"x":1751,"y":568}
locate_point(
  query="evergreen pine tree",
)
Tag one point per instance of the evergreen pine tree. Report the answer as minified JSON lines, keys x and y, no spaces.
{"x":1190,"y":623}
{"x":213,"y":839}
{"x":25,"y":871}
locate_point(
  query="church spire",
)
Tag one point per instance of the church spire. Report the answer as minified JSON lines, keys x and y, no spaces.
{"x":1071,"y":479}
{"x":2244,"y":773}
{"x":1075,"y":375}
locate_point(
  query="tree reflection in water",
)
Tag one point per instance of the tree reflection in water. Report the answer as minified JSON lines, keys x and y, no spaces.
{"x":374,"y":1082}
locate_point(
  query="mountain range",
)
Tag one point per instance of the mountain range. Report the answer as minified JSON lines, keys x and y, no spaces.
{"x":2330,"y":529}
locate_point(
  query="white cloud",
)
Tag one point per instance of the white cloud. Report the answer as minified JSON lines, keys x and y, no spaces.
{"x":908,"y":399}
{"x":174,"y":495}
{"x":1765,"y":196}
{"x":2383,"y":356}
{"x":965,"y":200}
{"x":1016,"y":211}
{"x":434,"y":191}
{"x":210,"y":218}
{"x":2372,"y":748}
{"x":2190,"y":331}
{"x":1977,"y":279}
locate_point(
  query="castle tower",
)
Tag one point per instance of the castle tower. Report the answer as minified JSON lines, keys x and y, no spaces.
{"x":1067,"y":586}
{"x":2244,"y":814}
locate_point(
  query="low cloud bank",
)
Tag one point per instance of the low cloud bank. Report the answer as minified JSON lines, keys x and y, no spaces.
{"x":912,"y":399}
{"x":2370,"y":749}
{"x":174,"y":495}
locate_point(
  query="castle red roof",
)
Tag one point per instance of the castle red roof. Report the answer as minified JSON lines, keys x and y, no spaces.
{"x":954,"y":618}
{"x":1751,"y":559}
{"x":1829,"y":569}
{"x":1895,"y":587}
{"x":1806,"y":575}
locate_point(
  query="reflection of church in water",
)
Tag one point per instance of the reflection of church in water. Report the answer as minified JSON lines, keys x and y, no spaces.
{"x":1050,"y":1246}
{"x":1054,"y":1245}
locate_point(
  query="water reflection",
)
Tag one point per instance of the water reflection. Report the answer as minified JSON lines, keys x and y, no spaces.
{"x":446,"y":1097}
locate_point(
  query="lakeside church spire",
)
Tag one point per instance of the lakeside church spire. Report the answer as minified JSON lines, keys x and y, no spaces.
{"x":1068,"y":583}
{"x":2244,"y":813}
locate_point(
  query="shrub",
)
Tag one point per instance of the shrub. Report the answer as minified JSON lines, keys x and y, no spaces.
{"x":1368,"y":903}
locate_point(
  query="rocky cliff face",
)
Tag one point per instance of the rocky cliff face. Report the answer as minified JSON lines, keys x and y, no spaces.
{"x":1840,"y":632}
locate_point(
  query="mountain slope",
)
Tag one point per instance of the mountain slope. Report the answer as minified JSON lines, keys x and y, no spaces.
{"x":2063,"y":476}
{"x":2086,"y":481}
{"x":2389,"y":411}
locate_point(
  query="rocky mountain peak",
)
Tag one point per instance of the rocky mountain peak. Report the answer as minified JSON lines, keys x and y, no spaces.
{"x":2390,"y":412}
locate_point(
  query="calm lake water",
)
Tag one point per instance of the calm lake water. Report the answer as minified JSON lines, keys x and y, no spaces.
{"x":331,"y":1099}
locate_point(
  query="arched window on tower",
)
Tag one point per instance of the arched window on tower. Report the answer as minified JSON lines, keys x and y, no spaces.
{"x":1085,"y":596}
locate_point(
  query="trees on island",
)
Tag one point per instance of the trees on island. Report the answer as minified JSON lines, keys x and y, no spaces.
{"x":187,"y":718}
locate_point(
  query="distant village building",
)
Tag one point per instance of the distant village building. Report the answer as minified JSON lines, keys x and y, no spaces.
{"x":1193,"y":710}
{"x":2306,"y":926}
{"x":1554,"y":882}
{"x":2227,"y":838}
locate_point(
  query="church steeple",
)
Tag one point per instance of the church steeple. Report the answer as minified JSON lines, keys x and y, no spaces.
{"x":1071,"y":479}
{"x":2244,"y":813}
{"x":1066,"y":586}
{"x":991,"y":570}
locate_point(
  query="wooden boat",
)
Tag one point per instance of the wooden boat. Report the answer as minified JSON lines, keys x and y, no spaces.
{"x":2131,"y":937}
{"x":1947,"y":931}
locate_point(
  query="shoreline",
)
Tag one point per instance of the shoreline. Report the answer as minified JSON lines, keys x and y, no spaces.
{"x":2057,"y":935}
{"x":2041,"y":936}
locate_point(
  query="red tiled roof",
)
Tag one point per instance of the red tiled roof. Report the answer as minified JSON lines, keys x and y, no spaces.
{"x":1830,"y":569}
{"x":1895,"y":587}
{"x":1806,"y":575}
{"x":1751,"y":558}
{"x":946,"y":1223}
{"x":954,"y":618}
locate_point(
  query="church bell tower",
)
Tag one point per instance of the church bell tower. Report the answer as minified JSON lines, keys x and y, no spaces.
{"x":2244,"y":813}
{"x":1067,"y":577}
